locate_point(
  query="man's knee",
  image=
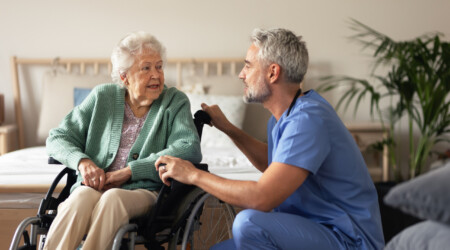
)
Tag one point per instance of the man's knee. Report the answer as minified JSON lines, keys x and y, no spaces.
{"x":250,"y":230}
{"x":244,"y":222}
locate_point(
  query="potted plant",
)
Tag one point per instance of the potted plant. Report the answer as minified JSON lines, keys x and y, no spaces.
{"x":414,"y":84}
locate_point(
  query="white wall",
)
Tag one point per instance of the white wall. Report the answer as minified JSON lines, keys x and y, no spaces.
{"x":205,"y":28}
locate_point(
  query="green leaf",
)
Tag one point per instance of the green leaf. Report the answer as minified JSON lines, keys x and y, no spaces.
{"x":415,"y":83}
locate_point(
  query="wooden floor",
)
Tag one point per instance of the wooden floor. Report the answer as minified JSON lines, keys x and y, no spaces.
{"x":9,"y":220}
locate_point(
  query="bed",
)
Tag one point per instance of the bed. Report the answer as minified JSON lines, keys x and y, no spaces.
{"x":25,"y":175}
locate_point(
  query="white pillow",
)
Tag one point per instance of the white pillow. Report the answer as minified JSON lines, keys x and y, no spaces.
{"x":256,"y":116}
{"x":214,"y":85}
{"x":232,"y":106}
{"x":58,"y":98}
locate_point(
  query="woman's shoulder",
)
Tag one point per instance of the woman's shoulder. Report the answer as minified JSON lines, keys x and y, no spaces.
{"x":172,"y":94}
{"x":105,"y":87}
{"x":173,"y":91}
{"x":104,"y":94}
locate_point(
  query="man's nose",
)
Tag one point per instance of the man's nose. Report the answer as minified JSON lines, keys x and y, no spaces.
{"x":241,"y":74}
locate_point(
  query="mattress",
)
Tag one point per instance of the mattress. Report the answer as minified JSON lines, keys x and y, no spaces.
{"x":229,"y":162}
{"x":27,"y":167}
{"x":25,"y":174}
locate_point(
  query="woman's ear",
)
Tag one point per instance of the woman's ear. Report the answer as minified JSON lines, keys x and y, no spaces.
{"x":123,"y":77}
{"x":274,"y":72}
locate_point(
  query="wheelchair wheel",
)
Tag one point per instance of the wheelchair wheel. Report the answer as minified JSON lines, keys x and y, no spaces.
{"x":209,"y":222}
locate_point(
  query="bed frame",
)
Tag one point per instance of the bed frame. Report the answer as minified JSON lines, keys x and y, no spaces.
{"x":179,"y":67}
{"x":214,"y":66}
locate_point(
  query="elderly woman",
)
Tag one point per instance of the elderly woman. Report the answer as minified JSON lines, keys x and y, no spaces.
{"x":113,"y":139}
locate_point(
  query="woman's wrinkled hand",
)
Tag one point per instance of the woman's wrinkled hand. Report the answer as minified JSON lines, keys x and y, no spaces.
{"x":117,"y":178}
{"x":93,"y":176}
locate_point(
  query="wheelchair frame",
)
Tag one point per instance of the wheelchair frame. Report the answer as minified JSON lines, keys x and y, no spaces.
{"x":163,"y":224}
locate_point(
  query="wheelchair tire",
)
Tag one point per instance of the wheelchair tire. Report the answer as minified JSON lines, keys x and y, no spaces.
{"x":209,"y":222}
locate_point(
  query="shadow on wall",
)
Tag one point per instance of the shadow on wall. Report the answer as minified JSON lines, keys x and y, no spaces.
{"x":315,"y":71}
{"x":255,"y":122}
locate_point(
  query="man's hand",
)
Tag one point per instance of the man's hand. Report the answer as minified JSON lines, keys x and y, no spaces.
{"x":218,"y":119}
{"x":93,"y":176}
{"x":117,"y":178}
{"x":176,"y":168}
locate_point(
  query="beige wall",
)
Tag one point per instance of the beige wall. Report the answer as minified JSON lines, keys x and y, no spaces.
{"x":204,"y":28}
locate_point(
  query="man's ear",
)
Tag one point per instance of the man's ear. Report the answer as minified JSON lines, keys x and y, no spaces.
{"x":274,"y":72}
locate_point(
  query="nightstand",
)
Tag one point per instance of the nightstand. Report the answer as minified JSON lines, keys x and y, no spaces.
{"x":365,"y":135}
{"x":8,"y":138}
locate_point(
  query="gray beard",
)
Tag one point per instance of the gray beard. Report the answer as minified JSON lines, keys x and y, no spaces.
{"x":259,"y":96}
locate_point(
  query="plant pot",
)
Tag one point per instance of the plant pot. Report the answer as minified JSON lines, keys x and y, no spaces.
{"x":392,"y":219}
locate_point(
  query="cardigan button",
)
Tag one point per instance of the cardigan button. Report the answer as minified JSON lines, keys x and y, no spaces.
{"x":135,"y":156}
{"x":110,"y":155}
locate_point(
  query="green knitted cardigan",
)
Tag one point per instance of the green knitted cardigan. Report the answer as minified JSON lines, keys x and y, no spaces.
{"x":93,"y":130}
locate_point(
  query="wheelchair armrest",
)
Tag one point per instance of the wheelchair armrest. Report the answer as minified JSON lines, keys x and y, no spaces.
{"x":52,"y":160}
{"x":202,"y":166}
{"x":49,"y":202}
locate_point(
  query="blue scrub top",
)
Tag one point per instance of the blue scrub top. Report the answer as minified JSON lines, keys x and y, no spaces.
{"x":339,"y":192}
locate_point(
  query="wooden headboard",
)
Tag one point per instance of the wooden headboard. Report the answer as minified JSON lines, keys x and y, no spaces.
{"x":179,"y":67}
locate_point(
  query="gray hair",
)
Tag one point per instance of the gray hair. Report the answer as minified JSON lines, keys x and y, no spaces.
{"x":284,"y":48}
{"x":123,"y":55}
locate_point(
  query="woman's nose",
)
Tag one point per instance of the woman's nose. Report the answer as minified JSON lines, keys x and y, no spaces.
{"x":155,"y":73}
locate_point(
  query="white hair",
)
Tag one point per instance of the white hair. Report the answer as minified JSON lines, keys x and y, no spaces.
{"x":284,"y":48}
{"x":123,"y":55}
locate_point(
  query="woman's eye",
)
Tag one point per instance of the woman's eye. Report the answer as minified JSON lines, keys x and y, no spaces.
{"x":159,"y":67}
{"x":146,"y":68}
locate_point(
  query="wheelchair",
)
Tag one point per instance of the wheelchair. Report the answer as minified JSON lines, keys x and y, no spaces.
{"x":184,"y":216}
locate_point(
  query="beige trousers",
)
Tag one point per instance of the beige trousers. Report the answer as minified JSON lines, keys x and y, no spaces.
{"x":97,"y":214}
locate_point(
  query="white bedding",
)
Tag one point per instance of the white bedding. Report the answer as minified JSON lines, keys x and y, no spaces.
{"x":25,"y":168}
{"x":229,"y":163}
{"x":28,"y":167}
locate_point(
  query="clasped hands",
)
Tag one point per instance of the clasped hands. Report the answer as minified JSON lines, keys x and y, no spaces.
{"x":96,"y":178}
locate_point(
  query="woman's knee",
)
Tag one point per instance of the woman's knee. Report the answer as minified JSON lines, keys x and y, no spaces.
{"x":82,"y":198}
{"x":111,"y":198}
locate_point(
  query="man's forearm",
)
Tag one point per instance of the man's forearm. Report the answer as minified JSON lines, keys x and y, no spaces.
{"x":238,"y":193}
